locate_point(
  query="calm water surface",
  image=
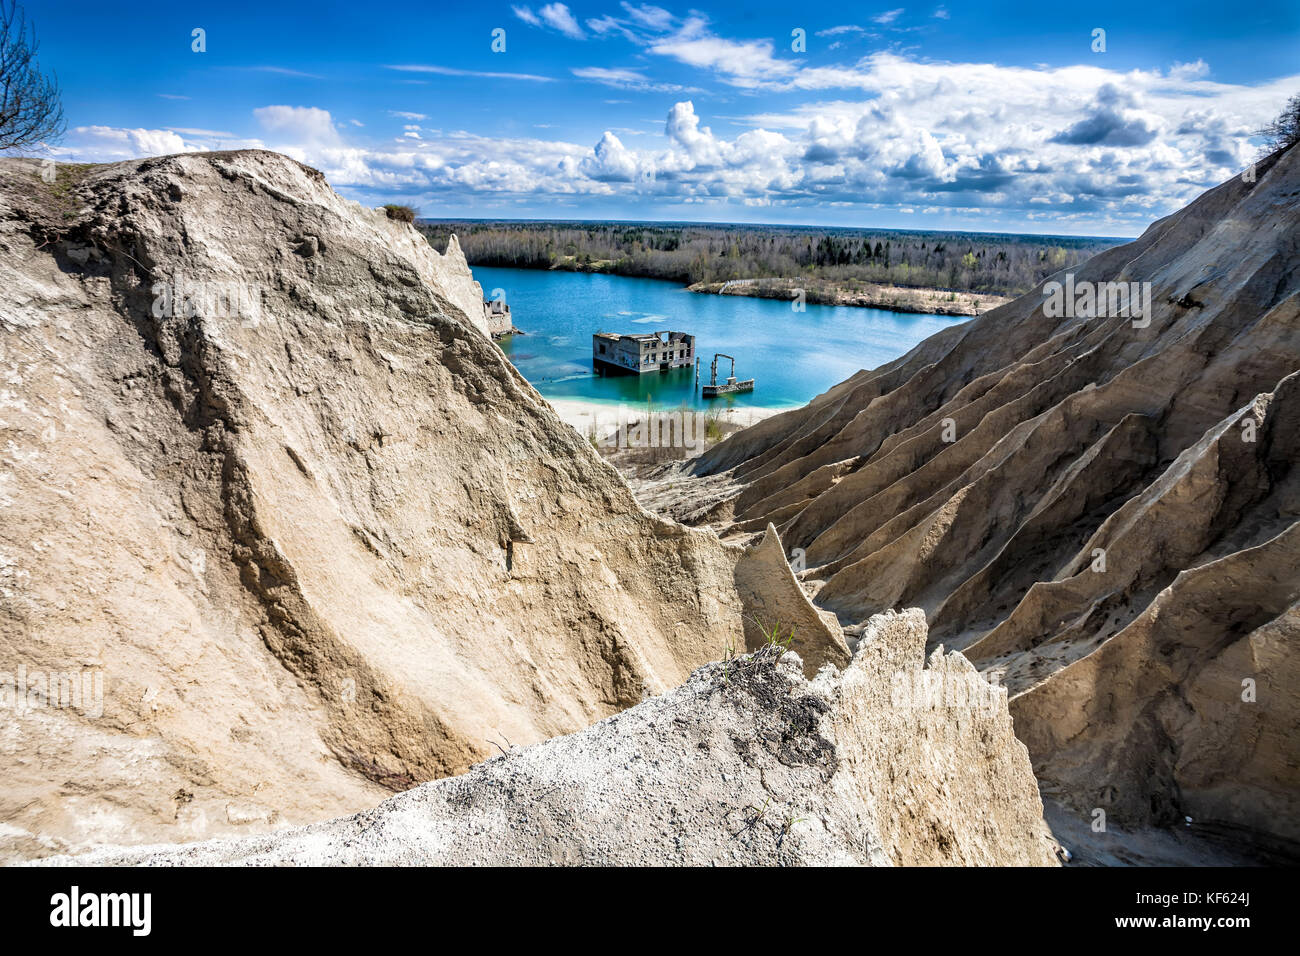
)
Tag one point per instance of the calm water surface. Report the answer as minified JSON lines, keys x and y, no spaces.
{"x":793,"y":356}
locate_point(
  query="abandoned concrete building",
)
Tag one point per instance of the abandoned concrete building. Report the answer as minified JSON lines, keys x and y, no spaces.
{"x":497,"y":314}
{"x":642,"y":352}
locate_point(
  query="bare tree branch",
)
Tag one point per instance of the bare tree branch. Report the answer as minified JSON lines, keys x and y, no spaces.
{"x":1285,"y":129}
{"x":31,"y":112}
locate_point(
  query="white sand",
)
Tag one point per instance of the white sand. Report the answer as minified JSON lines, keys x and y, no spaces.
{"x":582,"y":414}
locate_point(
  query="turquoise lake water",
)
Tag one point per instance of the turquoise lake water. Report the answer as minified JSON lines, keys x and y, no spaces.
{"x":793,"y":356}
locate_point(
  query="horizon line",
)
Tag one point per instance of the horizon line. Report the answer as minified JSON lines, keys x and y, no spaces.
{"x":768,"y":225}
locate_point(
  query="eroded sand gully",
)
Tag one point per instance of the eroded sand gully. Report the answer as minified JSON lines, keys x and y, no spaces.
{"x":1100,"y":513}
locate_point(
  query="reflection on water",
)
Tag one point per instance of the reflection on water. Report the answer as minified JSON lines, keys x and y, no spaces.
{"x":793,"y":356}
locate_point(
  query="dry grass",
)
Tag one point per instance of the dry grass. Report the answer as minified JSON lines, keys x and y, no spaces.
{"x":400,"y":213}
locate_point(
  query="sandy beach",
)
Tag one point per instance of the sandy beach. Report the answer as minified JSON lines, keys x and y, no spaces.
{"x":583,"y":414}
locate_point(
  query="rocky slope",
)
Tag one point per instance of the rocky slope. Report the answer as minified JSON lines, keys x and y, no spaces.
{"x":894,"y":761}
{"x":263,"y":474}
{"x":1101,"y":513}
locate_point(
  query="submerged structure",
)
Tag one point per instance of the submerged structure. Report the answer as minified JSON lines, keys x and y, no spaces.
{"x":496,"y":314}
{"x":642,"y":352}
{"x":730,"y":386}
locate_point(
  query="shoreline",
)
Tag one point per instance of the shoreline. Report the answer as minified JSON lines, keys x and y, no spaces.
{"x":888,"y":298}
{"x":910,"y":300}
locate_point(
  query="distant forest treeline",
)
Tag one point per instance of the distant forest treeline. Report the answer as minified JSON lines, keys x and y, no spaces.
{"x":968,"y":262}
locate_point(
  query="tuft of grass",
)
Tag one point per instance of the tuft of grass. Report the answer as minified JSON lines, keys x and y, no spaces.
{"x":713,"y":426}
{"x":776,"y":643}
{"x":726,"y":661}
{"x":400,"y":213}
{"x":787,"y":826}
{"x":773,"y":642}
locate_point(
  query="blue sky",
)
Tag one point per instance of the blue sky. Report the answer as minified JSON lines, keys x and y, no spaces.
{"x":990,"y":116}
